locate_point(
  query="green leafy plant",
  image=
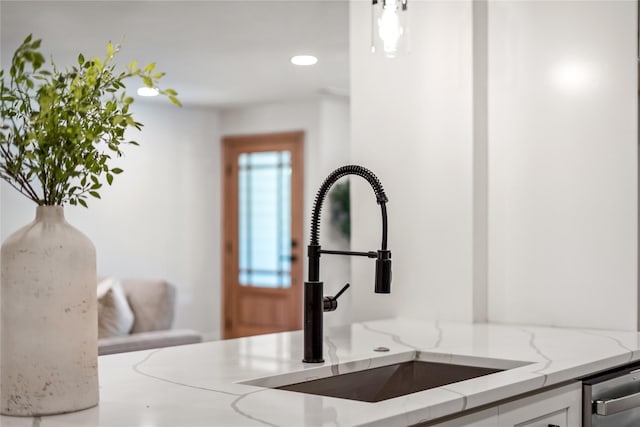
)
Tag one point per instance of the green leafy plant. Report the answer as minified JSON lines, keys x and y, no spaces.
{"x":341,"y":208}
{"x":60,"y":130}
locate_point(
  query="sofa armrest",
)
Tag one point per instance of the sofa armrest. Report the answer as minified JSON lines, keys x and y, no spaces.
{"x":147,"y":340}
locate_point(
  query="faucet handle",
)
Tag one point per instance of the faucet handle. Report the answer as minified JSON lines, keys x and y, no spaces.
{"x":344,"y":288}
{"x":331,"y":303}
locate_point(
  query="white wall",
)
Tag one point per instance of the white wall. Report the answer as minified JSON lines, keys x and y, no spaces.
{"x":325,"y":122}
{"x":507,"y":142}
{"x":161,"y":218}
{"x":563,"y":163}
{"x":412,"y":125}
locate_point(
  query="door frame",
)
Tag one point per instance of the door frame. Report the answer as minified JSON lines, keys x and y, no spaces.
{"x":232,"y":146}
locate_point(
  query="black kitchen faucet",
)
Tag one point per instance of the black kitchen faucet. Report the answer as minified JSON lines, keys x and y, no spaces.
{"x":315,"y":303}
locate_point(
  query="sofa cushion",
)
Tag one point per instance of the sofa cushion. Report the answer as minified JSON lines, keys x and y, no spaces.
{"x":115,"y":317}
{"x":152,"y":302}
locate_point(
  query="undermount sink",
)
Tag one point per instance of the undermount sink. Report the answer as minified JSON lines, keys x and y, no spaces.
{"x":392,"y":376}
{"x":386,"y":382}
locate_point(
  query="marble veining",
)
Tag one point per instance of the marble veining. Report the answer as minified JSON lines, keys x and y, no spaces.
{"x":396,"y":338}
{"x":235,"y":404}
{"x":463,"y":396}
{"x":616,"y":340}
{"x":548,"y":361}
{"x":236,"y":408}
{"x":332,"y":352}
{"x":136,"y":368}
{"x":227,"y":382}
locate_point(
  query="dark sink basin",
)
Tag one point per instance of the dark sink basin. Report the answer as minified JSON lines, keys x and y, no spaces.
{"x":386,"y":382}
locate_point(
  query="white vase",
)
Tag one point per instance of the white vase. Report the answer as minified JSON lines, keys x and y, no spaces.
{"x":49,"y":353}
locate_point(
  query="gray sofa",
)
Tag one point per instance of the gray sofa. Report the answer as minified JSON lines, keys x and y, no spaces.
{"x":153,"y":305}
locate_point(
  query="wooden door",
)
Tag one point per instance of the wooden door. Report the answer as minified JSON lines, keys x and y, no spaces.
{"x":262,"y":233}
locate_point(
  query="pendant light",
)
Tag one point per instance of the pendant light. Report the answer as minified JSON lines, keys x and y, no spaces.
{"x":389,"y":27}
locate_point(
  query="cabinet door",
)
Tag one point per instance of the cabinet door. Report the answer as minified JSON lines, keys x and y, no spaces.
{"x":559,"y":407}
{"x":486,"y":418}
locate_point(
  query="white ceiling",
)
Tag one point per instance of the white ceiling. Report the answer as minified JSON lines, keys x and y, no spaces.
{"x":215,"y":53}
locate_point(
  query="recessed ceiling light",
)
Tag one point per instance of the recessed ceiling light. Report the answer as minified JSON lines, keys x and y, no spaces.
{"x":304,"y":60}
{"x":148,"y":91}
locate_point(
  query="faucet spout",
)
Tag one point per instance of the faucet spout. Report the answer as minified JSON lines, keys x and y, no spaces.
{"x":313,"y":288}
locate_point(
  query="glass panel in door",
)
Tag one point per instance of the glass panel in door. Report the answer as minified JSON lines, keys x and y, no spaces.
{"x":264,"y":219}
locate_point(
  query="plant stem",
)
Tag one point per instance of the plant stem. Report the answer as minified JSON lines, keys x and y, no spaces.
{"x":24,"y":183}
{"x":23,"y":193}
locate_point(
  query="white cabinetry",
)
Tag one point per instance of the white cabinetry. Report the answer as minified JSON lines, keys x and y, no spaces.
{"x":486,"y":418}
{"x":559,"y":407}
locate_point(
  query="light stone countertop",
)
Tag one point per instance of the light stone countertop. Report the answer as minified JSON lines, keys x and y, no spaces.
{"x":201,"y":384}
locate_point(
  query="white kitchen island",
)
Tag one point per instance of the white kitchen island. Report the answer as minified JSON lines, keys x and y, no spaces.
{"x":203,"y":384}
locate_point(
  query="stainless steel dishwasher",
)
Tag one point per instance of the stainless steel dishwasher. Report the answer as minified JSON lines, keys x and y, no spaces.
{"x":612,"y":398}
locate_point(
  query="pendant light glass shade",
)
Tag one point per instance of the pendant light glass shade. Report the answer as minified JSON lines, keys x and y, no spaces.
{"x":389,"y":27}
